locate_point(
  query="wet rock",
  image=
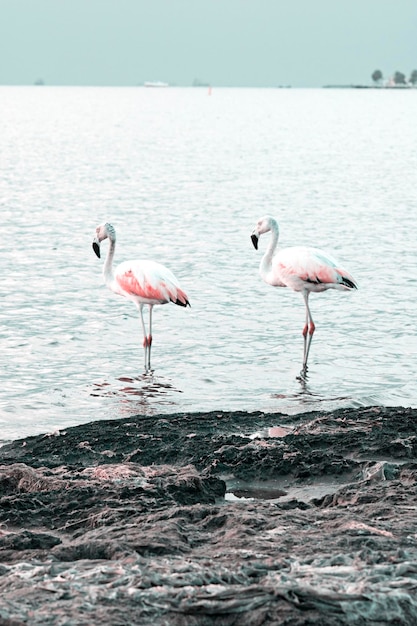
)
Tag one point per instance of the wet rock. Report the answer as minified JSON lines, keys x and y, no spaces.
{"x":213,"y":518}
{"x":27,"y":540}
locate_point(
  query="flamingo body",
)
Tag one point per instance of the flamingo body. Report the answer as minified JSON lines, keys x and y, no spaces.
{"x":147,"y":282}
{"x":302,"y":269}
{"x":143,"y":282}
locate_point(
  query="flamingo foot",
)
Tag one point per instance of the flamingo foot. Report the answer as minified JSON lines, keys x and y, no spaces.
{"x":303,"y":374}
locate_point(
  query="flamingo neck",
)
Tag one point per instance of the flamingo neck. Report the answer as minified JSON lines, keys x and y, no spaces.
{"x":108,"y":264}
{"x":266,"y":262}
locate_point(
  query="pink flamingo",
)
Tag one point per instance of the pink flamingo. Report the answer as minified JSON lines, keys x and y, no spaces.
{"x":143,"y":282}
{"x":302,"y":269}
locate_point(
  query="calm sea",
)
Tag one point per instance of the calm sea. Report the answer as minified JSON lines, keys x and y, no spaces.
{"x":183,"y":176}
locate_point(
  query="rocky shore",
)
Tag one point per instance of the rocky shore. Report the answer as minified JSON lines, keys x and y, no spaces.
{"x":227,"y":518}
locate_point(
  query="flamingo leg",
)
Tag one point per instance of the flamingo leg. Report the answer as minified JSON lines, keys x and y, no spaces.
{"x":149,"y":338}
{"x":308,"y":332}
{"x":305,"y":332}
{"x":145,"y":338}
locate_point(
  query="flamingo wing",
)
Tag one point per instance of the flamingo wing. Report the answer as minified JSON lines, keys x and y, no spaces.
{"x":302,"y":267}
{"x":149,"y":282}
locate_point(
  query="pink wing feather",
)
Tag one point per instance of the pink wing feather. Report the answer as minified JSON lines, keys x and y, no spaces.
{"x":149,"y":281}
{"x":298,"y":265}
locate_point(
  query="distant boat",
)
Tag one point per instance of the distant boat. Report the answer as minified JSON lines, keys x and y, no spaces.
{"x":155,"y":83}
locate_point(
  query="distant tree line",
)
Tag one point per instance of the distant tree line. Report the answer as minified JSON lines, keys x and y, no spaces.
{"x":397,"y":79}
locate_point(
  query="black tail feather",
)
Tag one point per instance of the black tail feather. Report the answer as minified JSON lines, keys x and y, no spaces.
{"x":180,"y":303}
{"x":348,"y":283}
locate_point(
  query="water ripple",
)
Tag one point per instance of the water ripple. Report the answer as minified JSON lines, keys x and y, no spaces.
{"x":184,"y":177}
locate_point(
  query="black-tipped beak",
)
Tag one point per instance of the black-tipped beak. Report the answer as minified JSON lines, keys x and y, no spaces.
{"x":254,"y":238}
{"x":96,"y":247}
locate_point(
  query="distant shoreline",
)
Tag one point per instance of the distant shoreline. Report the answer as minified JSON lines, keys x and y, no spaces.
{"x":369,"y":87}
{"x":205,"y":87}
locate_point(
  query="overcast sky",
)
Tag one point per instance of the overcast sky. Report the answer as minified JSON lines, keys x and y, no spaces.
{"x":303,"y":43}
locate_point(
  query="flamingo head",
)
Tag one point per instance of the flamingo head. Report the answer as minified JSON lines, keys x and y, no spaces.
{"x":263,"y":225}
{"x":103,"y":232}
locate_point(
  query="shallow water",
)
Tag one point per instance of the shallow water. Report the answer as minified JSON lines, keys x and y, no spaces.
{"x":184,"y":176}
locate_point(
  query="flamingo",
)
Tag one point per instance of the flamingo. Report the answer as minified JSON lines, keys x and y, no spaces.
{"x":302,"y":269}
{"x":143,"y":282}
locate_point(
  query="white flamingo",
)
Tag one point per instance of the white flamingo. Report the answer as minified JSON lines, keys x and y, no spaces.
{"x":143,"y":282}
{"x":302,"y":269}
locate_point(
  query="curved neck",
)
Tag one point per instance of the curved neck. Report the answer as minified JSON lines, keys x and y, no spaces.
{"x":108,"y":264}
{"x":267,"y":257}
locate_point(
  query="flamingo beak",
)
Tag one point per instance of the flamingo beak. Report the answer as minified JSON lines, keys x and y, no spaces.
{"x":96,"y":247}
{"x":254,"y":236}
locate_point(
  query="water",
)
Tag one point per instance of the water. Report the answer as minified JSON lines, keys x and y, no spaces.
{"x":184,"y":176}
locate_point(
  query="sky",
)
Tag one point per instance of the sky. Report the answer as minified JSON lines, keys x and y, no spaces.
{"x":236,"y":43}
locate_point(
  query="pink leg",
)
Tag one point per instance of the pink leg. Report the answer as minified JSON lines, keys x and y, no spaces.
{"x":147,"y":340}
{"x":305,"y":332}
{"x":308,"y":332}
{"x":148,"y":365}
